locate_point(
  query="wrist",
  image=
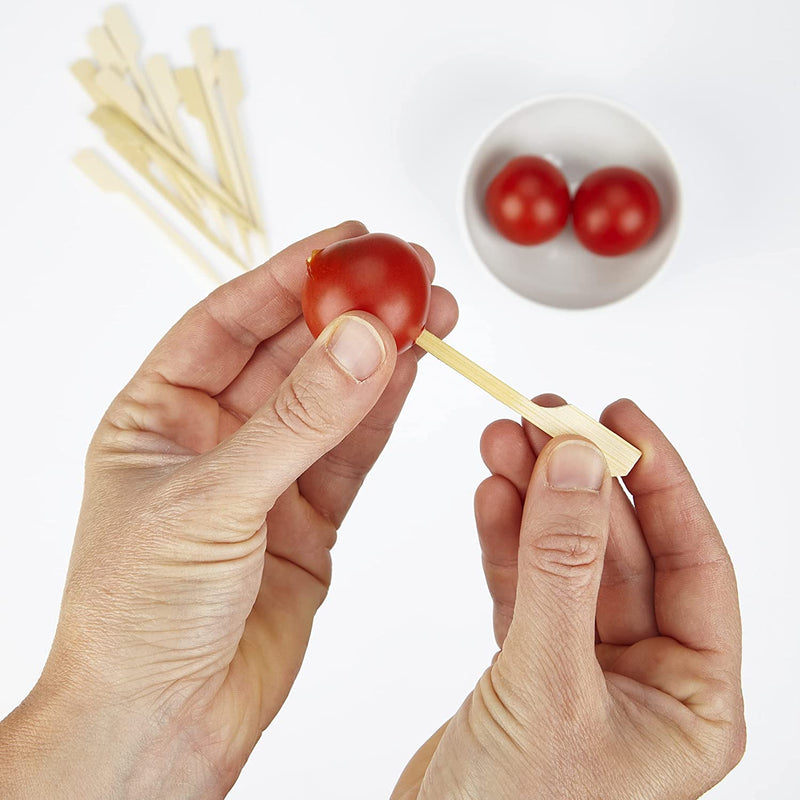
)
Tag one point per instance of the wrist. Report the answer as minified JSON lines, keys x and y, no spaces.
{"x":59,"y":744}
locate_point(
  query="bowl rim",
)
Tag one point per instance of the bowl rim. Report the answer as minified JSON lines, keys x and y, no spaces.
{"x":585,"y":97}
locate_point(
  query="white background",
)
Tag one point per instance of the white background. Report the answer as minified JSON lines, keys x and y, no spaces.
{"x":370,"y":110}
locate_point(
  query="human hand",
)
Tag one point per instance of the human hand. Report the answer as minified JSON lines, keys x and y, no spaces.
{"x":215,"y":485}
{"x":619,"y":670}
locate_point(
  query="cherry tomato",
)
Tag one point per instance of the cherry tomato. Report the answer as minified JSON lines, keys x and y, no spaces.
{"x":528,"y":200}
{"x":377,"y":273}
{"x":615,"y":211}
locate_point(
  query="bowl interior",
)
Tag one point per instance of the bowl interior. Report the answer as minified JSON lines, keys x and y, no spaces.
{"x":579,"y":135}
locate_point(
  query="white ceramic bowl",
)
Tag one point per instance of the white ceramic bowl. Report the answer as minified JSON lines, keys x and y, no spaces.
{"x":579,"y":135}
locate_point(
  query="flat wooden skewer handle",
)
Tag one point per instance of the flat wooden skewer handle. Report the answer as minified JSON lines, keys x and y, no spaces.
{"x":123,"y":36}
{"x":231,"y":95}
{"x":620,"y":455}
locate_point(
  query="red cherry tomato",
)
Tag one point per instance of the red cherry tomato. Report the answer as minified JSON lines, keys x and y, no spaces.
{"x":377,"y":273}
{"x":528,"y":200}
{"x":615,"y":211}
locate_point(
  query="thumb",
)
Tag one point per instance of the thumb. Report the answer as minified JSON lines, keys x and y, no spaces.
{"x":330,"y":390}
{"x":563,"y":539}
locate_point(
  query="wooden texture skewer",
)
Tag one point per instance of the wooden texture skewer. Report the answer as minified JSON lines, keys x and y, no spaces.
{"x":138,"y":110}
{"x":205,"y":68}
{"x":109,"y":119}
{"x":123,"y":34}
{"x":621,"y":455}
{"x":119,"y":94}
{"x":191,"y":91}
{"x":159,"y":73}
{"x":194,"y":100}
{"x":104,"y":50}
{"x":86,"y":72}
{"x":118,"y":130}
{"x":162,"y":79}
{"x":232,"y":94}
{"x":101,"y":172}
{"x":140,"y":160}
{"x":204,"y":56}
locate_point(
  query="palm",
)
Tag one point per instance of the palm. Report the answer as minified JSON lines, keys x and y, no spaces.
{"x":264,"y":659}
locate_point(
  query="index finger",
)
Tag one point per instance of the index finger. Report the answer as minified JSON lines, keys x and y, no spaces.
{"x":208,"y":347}
{"x":696,"y":600}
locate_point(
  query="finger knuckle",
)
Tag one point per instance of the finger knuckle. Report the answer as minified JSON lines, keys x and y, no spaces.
{"x":569,"y":547}
{"x":301,"y":408}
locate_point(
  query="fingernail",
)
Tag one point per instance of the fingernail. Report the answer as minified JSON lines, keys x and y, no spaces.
{"x":576,"y":466}
{"x":357,"y":347}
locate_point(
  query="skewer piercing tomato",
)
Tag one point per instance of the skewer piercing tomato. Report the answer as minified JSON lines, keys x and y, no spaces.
{"x":376,"y":273}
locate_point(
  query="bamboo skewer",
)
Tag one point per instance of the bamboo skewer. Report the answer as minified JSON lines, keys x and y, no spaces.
{"x":159,"y":73}
{"x":138,"y":109}
{"x":140,"y":160}
{"x":100,"y":171}
{"x":232,"y":94}
{"x":621,"y":455}
{"x":194,"y":100}
{"x":104,"y":50}
{"x":204,"y":56}
{"x":166,"y":89}
{"x":123,"y":34}
{"x":86,"y":72}
{"x":119,"y":94}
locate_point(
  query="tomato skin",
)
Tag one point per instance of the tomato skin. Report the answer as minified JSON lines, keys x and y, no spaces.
{"x":615,"y":211}
{"x":377,"y":273}
{"x":528,"y":200}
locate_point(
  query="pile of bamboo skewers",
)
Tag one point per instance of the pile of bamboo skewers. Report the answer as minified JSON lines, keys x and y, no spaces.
{"x":141,"y":108}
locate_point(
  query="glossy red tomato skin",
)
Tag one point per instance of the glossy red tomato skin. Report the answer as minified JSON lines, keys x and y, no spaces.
{"x":615,"y":211}
{"x":377,"y":273}
{"x":528,"y":200}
